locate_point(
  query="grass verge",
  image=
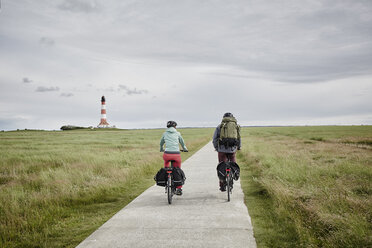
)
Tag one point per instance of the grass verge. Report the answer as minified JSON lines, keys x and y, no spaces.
{"x":58,"y":187}
{"x":271,"y":229}
{"x":307,"y":186}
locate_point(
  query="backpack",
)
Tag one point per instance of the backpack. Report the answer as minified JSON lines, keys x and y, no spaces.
{"x":230,"y":132}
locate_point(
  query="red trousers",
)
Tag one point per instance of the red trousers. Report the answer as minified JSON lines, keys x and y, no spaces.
{"x":177,"y":161}
{"x":222,"y":156}
{"x":175,"y":157}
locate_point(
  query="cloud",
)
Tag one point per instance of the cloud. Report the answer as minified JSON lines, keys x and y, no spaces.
{"x":129,"y":91}
{"x":45,"y":41}
{"x":67,"y":94}
{"x":263,"y":61}
{"x":26,"y":80}
{"x":85,"y":6}
{"x":319,"y":41}
{"x":46,"y":89}
{"x":108,"y":89}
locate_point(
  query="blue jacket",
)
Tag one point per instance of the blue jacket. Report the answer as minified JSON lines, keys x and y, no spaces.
{"x":172,"y":138}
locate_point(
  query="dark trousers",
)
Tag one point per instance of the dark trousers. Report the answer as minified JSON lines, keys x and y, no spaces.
{"x":222,"y":157}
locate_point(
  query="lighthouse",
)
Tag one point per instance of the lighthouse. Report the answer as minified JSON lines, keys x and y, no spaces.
{"x":103,"y":122}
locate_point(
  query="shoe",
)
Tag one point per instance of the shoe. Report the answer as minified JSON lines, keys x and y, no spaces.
{"x":222,"y":186}
{"x":178,"y":191}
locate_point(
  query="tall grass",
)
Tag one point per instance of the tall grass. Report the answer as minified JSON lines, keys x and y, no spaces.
{"x":58,"y":187}
{"x":309,"y":186}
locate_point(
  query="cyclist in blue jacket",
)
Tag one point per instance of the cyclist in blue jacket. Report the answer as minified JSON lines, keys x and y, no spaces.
{"x":172,"y":139}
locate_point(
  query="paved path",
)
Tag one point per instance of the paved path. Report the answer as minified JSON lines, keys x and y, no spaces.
{"x":201,"y":217}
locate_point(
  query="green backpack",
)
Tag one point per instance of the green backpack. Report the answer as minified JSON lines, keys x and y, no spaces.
{"x":230,"y":132}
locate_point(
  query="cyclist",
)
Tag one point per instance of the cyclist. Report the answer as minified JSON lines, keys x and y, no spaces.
{"x":172,"y":138}
{"x":227,"y":142}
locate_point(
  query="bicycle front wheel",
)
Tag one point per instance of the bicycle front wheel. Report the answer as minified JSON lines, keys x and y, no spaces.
{"x":169,"y":190}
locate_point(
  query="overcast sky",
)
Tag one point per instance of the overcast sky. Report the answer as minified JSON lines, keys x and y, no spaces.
{"x":267,"y":62}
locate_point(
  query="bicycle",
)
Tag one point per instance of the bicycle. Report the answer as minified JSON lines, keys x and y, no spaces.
{"x":170,"y":187}
{"x":229,"y":175}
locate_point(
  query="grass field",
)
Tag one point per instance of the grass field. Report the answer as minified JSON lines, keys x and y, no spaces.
{"x":304,"y":186}
{"x":309,"y":186}
{"x":58,"y":187}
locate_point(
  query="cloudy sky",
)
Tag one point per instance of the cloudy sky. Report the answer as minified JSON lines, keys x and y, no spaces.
{"x":289,"y":62}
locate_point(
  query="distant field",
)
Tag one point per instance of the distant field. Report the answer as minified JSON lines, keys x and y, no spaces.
{"x":309,"y":186}
{"x":58,"y":187}
{"x":304,"y":186}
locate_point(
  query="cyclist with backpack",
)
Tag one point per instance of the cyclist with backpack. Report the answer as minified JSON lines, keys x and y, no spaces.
{"x":226,"y":141}
{"x":172,"y":139}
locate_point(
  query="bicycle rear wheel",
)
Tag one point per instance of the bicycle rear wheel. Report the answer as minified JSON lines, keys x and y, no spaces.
{"x":228,"y":187}
{"x":169,"y":190}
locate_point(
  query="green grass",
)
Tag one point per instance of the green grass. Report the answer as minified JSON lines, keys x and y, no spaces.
{"x":304,"y":186}
{"x":309,"y":186}
{"x":58,"y":187}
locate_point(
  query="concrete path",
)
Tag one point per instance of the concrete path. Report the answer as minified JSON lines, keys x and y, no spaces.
{"x":201,"y":217}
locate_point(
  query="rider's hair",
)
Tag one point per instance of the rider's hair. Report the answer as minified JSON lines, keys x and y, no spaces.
{"x":171,"y":124}
{"x":228,"y":114}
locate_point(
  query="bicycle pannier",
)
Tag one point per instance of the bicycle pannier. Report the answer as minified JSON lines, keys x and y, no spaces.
{"x":161,"y":177}
{"x":221,"y":170}
{"x":178,"y":177}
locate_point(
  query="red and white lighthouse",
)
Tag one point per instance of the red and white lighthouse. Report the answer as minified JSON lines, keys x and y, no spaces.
{"x":103,"y":122}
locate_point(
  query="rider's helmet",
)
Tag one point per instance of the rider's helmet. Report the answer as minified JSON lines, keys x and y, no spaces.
{"x":228,"y":115}
{"x":171,"y":124}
